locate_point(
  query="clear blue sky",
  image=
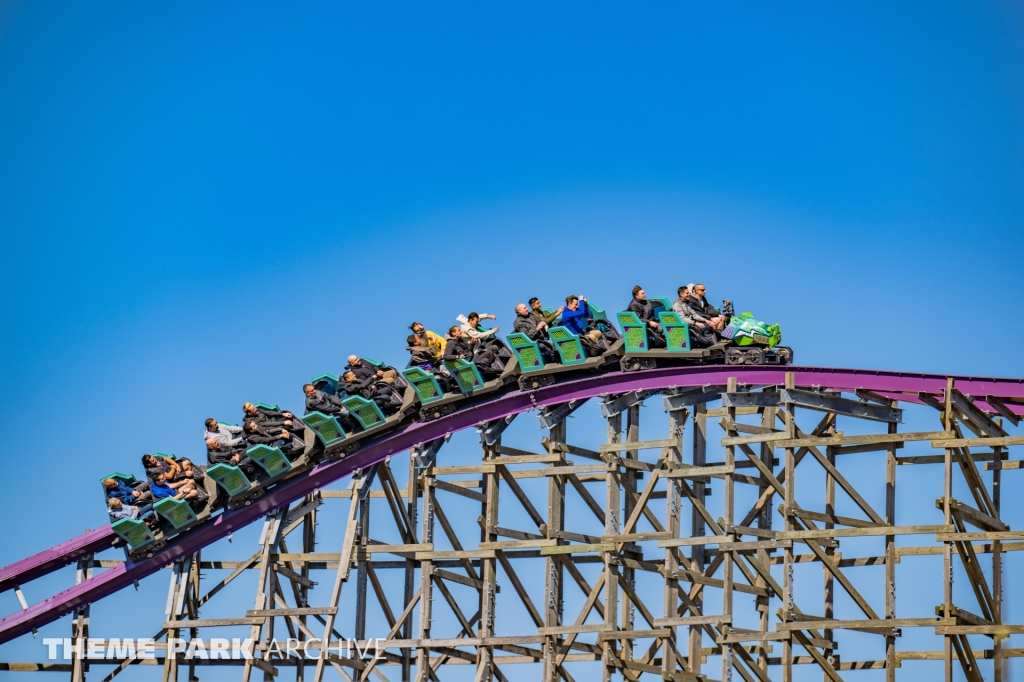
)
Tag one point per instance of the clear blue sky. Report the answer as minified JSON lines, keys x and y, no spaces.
{"x":204,"y":203}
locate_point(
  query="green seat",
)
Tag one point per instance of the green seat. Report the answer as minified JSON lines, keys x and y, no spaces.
{"x":634,"y":332}
{"x":327,"y":428}
{"x":136,"y":533}
{"x":177,"y":512}
{"x":366,"y":411}
{"x":423,"y":382}
{"x":325,"y":382}
{"x":677,"y":332}
{"x":272,"y":460}
{"x":266,"y":406}
{"x":527,"y":352}
{"x":229,"y":477}
{"x":570,"y":348}
{"x":466,"y":374}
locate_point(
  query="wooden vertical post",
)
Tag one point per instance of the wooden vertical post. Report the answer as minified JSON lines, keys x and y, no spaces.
{"x":700,"y":425}
{"x":890,"y":552}
{"x":947,"y":550}
{"x":555,"y":570}
{"x":676,"y":422}
{"x":612,"y":524}
{"x":790,"y":525}
{"x":727,"y":567}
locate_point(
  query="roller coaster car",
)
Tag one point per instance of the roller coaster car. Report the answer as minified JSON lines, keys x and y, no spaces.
{"x":573,"y":353}
{"x":468,"y":378}
{"x":678,"y":349}
{"x":171,"y":516}
{"x":332,"y":439}
{"x":754,"y":342}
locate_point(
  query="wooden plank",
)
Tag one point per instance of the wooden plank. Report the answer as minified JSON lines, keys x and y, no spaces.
{"x":971,"y":537}
{"x":641,"y":445}
{"x":693,"y":620}
{"x":693,"y":472}
{"x":756,"y":438}
{"x":761,"y":544}
{"x":458,"y":490}
{"x":304,"y":611}
{"x":462,"y":554}
{"x":211,"y":623}
{"x":1004,"y":465}
{"x":582,"y":469}
{"x":701,"y":540}
{"x":395,"y":549}
{"x":637,"y":537}
{"x":571,"y":549}
{"x":526,"y":459}
{"x":573,"y":629}
{"x":998,"y":442}
{"x":873,"y":624}
{"x":979,"y":629}
{"x":519,"y":544}
{"x":634,"y":634}
{"x":864,"y":532}
{"x":873,"y":438}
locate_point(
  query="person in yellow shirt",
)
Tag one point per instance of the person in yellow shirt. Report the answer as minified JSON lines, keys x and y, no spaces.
{"x":435,"y":342}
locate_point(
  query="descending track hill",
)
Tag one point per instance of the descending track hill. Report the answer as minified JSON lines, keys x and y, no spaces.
{"x":912,"y":387}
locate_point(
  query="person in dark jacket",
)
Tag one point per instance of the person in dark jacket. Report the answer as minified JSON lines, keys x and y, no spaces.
{"x":704,"y":310}
{"x":161,"y":465}
{"x":266,"y":417}
{"x":420,"y":352}
{"x":527,"y":324}
{"x":325,"y":403}
{"x":275,"y":437}
{"x":459,"y":347}
{"x":644,"y":309}
{"x":216,"y":453}
{"x":537,"y":312}
{"x":365,"y":370}
{"x":372,"y":389}
{"x":701,"y":333}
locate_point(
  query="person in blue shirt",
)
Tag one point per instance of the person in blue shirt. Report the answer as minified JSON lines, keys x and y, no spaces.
{"x":127,"y":494}
{"x":575,"y":318}
{"x":181,"y":490}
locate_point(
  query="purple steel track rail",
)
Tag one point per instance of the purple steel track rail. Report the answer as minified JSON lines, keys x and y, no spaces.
{"x":898,"y":384}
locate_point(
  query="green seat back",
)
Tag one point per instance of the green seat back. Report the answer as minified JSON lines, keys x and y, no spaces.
{"x":267,"y":406}
{"x":326,"y":427}
{"x":527,"y":352}
{"x":230,"y":478}
{"x":677,"y":332}
{"x":127,"y":479}
{"x":597,"y":314}
{"x":662,"y":302}
{"x":329,"y":381}
{"x":177,"y":512}
{"x":570,"y":348}
{"x":272,"y":460}
{"x":165,"y":456}
{"x":423,"y":382}
{"x":366,"y":411}
{"x":466,"y":374}
{"x":548,"y":311}
{"x":136,"y":533}
{"x":633,"y":331}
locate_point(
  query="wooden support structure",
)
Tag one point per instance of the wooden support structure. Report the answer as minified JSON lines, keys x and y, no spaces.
{"x":435,"y":556}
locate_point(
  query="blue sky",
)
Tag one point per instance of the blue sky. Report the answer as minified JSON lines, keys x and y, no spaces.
{"x":207,"y":203}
